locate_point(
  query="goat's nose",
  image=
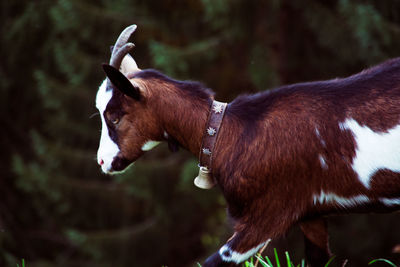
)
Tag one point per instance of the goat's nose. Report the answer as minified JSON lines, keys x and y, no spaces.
{"x":101,"y":162}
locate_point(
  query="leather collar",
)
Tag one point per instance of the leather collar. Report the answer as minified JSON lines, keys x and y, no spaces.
{"x":210,"y":135}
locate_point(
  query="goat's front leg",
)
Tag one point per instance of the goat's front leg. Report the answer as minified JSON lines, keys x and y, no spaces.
{"x":239,"y":248}
{"x":316,"y":241}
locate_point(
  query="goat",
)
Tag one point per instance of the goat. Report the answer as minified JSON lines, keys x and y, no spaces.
{"x":281,"y":157}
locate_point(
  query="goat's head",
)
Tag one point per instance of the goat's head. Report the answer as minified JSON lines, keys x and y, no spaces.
{"x":128,"y":126}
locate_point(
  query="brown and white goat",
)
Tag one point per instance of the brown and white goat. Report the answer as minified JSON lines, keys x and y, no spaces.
{"x":286,"y":156}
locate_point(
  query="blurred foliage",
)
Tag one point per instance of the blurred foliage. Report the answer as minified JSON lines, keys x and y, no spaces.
{"x":57,"y":209}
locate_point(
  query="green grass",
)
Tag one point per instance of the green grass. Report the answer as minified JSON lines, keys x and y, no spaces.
{"x":287,"y":262}
{"x":22,"y":263}
{"x":266,"y":262}
{"x":383,"y":260}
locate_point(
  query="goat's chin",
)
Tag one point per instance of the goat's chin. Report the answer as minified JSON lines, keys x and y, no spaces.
{"x":119,"y":165}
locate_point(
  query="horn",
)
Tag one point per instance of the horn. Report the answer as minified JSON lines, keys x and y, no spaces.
{"x":118,"y":56}
{"x":121,"y":47}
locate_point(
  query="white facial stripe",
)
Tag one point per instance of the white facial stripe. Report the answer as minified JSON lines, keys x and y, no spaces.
{"x":374,"y":150}
{"x":107,"y":148}
{"x":103,"y":97}
{"x":344,"y":202}
{"x":149,"y":145}
{"x":229,"y":255}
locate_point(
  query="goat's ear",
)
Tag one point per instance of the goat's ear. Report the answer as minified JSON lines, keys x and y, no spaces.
{"x":121,"y":82}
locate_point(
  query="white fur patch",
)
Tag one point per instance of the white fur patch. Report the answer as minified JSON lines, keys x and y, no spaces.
{"x":374,"y":150}
{"x":229,"y":255}
{"x":390,"y":201}
{"x":344,"y":202}
{"x":323,"y":162}
{"x":317,"y":133}
{"x":149,"y":145}
{"x":166,"y":136}
{"x":107,"y":148}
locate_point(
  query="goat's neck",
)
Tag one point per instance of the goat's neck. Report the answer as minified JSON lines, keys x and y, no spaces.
{"x":184,"y":119}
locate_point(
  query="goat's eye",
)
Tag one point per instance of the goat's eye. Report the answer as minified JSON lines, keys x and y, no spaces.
{"x":115,"y":120}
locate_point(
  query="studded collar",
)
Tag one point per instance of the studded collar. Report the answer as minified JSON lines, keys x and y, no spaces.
{"x":213,"y":125}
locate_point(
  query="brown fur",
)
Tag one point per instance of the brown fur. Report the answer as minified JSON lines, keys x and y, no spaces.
{"x":267,"y":152}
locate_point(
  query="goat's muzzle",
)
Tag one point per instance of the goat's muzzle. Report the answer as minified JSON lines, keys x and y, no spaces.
{"x":119,"y":164}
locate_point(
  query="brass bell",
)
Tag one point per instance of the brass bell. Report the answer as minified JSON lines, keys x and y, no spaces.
{"x":204,"y":179}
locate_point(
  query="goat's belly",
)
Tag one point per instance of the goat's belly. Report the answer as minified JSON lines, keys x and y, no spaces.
{"x":358,"y":204}
{"x":381,"y":195}
{"x":375,"y":207}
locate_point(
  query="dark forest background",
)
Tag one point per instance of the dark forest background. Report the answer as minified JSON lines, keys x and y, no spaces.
{"x":57,"y":209}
